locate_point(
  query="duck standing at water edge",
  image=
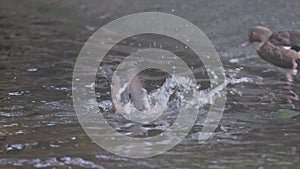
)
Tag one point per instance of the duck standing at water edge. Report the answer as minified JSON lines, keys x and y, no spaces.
{"x":278,"y":48}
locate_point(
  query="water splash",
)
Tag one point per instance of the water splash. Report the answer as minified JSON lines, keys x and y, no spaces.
{"x":173,"y":93}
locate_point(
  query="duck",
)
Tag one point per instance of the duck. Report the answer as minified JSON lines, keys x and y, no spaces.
{"x":278,"y":48}
{"x":131,"y":100}
{"x":132,"y":93}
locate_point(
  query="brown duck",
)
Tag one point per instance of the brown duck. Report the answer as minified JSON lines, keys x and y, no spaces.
{"x":278,"y":48}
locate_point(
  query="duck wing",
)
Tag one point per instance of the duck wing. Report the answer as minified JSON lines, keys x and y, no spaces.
{"x":289,"y":38}
{"x":277,"y":55}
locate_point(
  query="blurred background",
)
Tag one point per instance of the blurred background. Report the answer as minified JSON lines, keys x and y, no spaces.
{"x":40,"y":41}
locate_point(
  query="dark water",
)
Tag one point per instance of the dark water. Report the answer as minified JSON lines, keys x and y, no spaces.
{"x":40,"y":41}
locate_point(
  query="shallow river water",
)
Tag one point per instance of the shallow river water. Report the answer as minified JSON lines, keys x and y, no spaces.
{"x":40,"y":42}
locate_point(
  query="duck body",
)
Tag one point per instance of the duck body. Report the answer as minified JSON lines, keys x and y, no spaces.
{"x":278,"y":48}
{"x":277,"y":56}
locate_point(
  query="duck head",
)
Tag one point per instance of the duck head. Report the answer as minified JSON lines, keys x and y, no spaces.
{"x":258,"y":34}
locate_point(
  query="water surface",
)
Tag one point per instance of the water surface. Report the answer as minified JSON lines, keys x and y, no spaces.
{"x":40,"y":41}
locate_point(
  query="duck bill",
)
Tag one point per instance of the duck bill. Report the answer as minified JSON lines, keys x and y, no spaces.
{"x":246,"y":44}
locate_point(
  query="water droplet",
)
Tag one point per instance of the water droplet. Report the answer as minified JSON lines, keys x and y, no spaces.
{"x":15,"y":93}
{"x":54,"y":145}
{"x":234,"y":60}
{"x":154,"y":44}
{"x":17,"y":146}
{"x":32,"y":69}
{"x":20,"y":132}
